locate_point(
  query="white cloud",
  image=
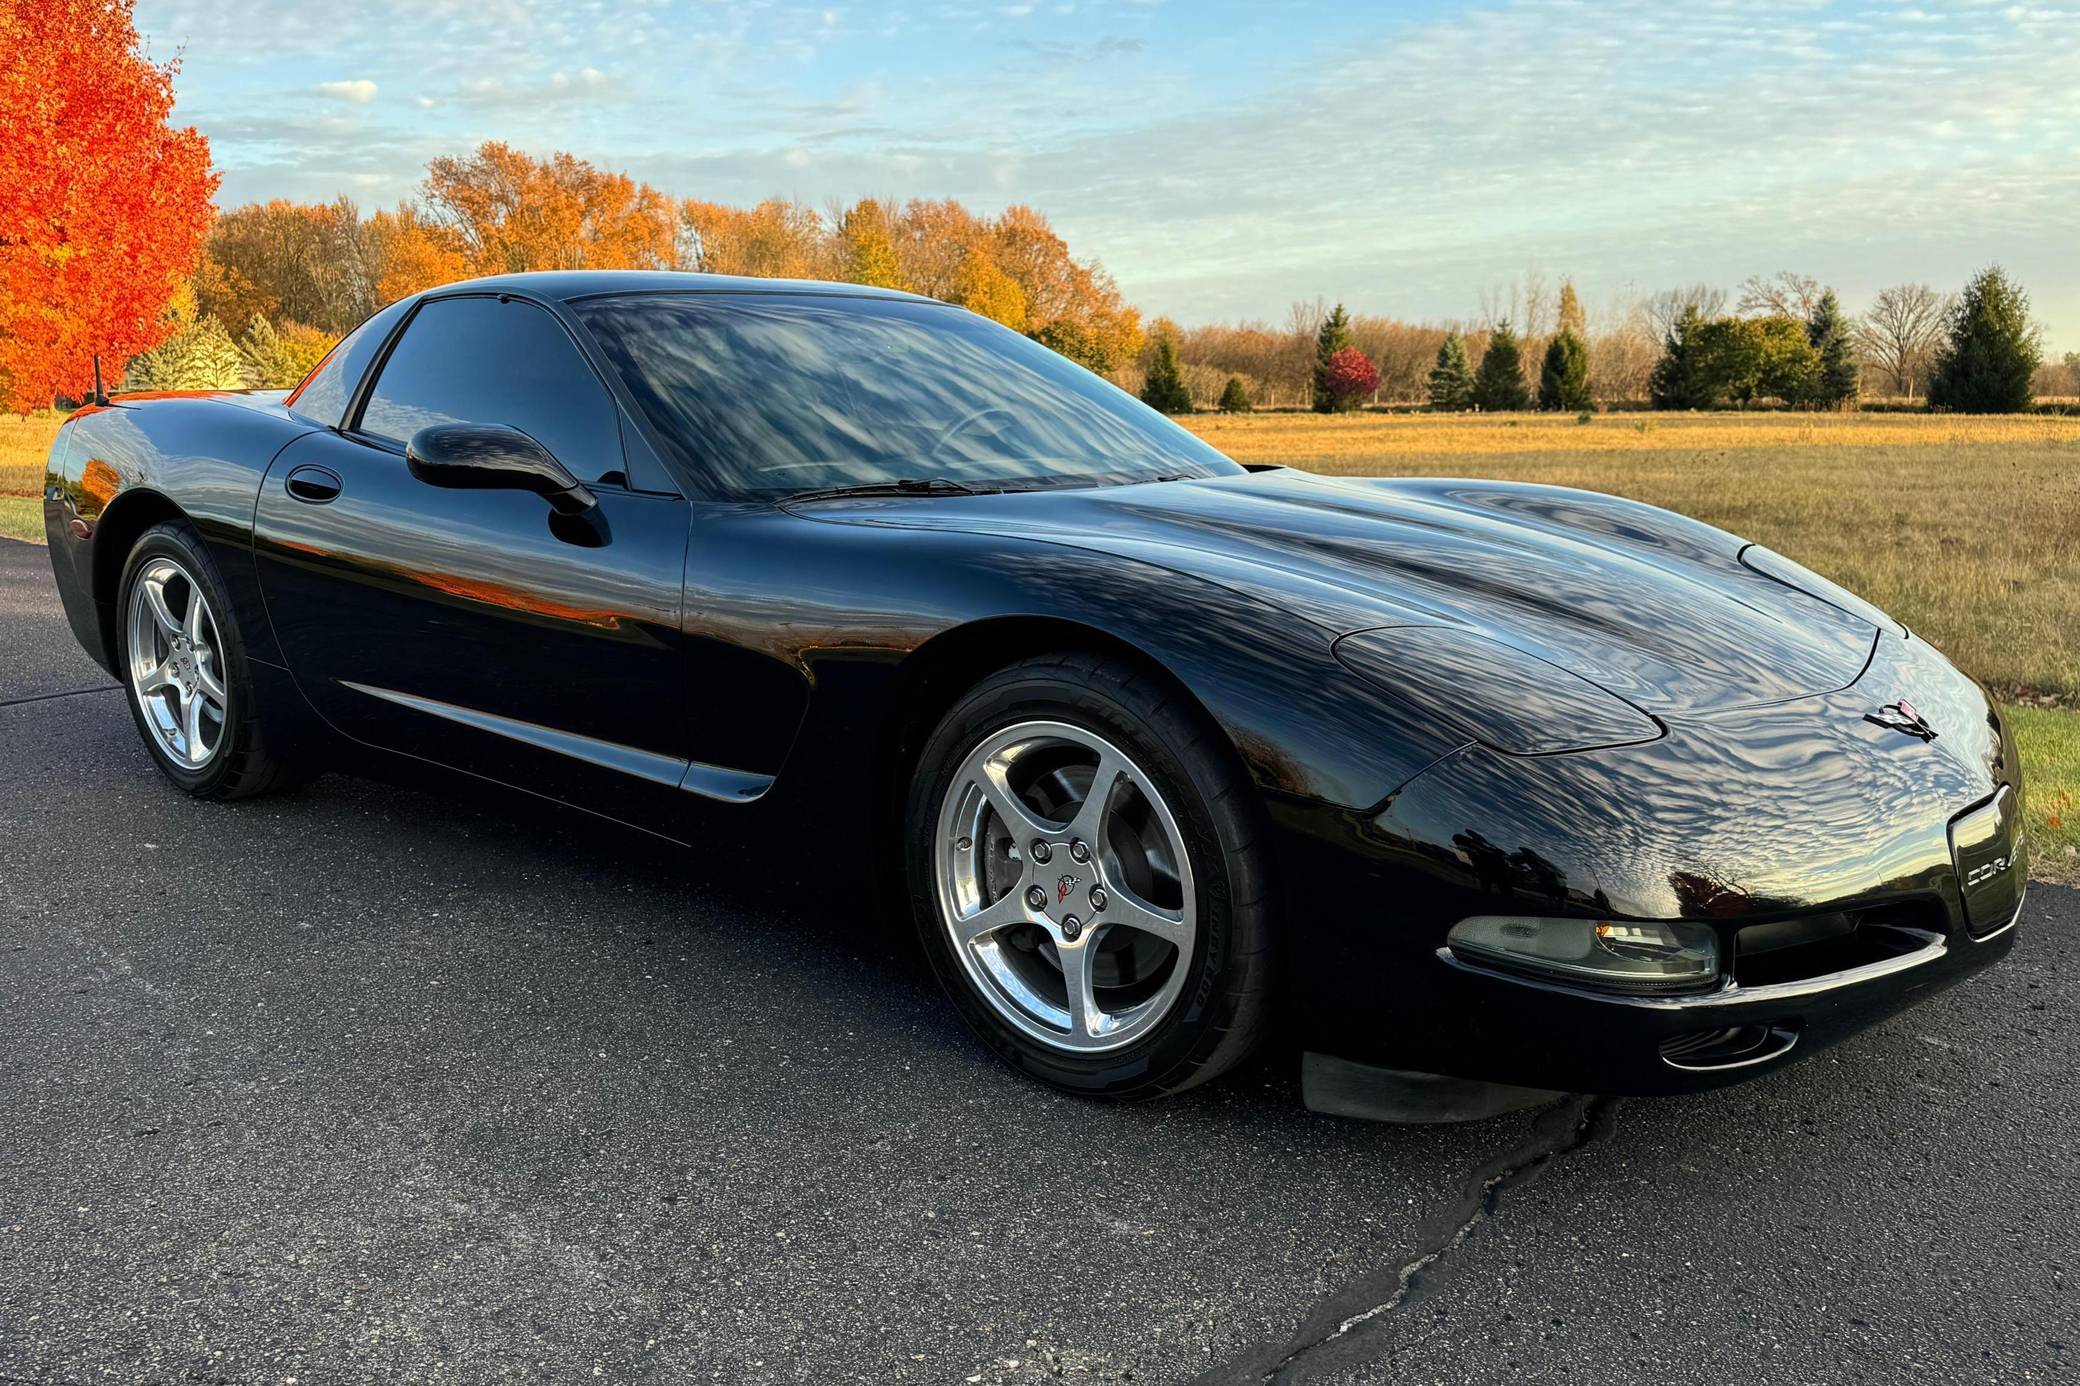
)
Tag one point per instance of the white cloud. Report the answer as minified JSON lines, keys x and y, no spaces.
{"x":360,"y":90}
{"x":1403,"y":165}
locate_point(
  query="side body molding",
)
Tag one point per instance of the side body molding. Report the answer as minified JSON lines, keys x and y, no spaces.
{"x":707,"y":781}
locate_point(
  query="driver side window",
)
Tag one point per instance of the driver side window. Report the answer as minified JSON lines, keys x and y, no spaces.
{"x":483,"y":361}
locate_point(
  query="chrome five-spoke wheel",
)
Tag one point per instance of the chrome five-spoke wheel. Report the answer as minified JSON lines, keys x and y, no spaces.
{"x":174,"y":668}
{"x":1063,"y":881}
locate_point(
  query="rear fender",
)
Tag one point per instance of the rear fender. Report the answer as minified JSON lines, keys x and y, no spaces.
{"x":128,"y":466}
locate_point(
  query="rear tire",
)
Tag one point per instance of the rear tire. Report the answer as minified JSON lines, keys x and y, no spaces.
{"x":1151,"y":878}
{"x":182,"y":659}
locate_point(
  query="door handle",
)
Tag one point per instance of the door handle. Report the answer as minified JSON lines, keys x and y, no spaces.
{"x":315,"y":485}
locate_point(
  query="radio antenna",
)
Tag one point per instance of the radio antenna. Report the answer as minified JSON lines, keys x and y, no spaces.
{"x":100,"y":395}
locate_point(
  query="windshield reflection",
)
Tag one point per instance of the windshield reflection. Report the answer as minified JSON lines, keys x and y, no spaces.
{"x":770,"y":395}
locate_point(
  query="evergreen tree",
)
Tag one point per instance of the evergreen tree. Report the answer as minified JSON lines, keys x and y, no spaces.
{"x":1165,"y":387}
{"x":200,"y":356}
{"x":1673,"y":384}
{"x":1335,"y":336}
{"x":1563,"y":381}
{"x":1235,"y":397}
{"x":1986,"y":366}
{"x":1837,"y":379}
{"x":279,"y":358}
{"x":1451,"y":381}
{"x":1499,"y":384}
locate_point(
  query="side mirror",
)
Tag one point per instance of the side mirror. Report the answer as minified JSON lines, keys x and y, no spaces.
{"x":485,"y":457}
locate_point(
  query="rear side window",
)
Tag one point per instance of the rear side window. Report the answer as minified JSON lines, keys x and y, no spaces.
{"x":482,"y":361}
{"x":323,"y":396}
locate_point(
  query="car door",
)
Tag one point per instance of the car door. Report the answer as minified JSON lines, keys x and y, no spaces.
{"x":476,"y":628}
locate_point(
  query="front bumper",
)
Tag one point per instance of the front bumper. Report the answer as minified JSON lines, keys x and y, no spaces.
{"x":1775,"y":817}
{"x":1590,"y":1041}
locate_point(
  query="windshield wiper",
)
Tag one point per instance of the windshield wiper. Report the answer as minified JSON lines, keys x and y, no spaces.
{"x":901,"y":486}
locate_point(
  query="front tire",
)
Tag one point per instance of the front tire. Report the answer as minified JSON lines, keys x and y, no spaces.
{"x":183,"y":661}
{"x":1089,"y":877}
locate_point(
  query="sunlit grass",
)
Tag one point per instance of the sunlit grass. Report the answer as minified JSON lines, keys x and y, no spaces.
{"x":1967,"y":529}
{"x":24,"y":445}
{"x":21,"y":517}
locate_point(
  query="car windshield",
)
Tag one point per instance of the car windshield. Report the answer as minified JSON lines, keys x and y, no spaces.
{"x":772,"y":395}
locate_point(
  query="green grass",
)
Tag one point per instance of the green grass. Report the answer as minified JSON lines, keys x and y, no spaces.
{"x":21,"y":517}
{"x":2050,"y":744}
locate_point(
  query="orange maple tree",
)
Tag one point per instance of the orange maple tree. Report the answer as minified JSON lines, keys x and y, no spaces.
{"x":103,"y":205}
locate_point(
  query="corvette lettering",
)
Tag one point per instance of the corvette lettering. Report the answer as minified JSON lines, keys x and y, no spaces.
{"x":1986,"y":871}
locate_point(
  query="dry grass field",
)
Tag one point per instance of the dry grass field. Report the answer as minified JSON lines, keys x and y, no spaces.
{"x":24,"y":444}
{"x":1966,"y":529}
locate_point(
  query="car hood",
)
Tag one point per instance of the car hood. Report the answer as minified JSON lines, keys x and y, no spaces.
{"x":1653,"y":607}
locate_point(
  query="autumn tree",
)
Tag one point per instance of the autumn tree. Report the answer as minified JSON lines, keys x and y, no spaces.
{"x":413,"y":254}
{"x":1451,"y":380}
{"x":293,"y":262}
{"x":511,"y":211}
{"x":1351,"y":376}
{"x":777,"y":239}
{"x":103,"y":204}
{"x":226,"y":294}
{"x":1570,"y":317}
{"x":867,"y":246}
{"x":1499,"y":384}
{"x":1068,"y":301}
{"x":981,"y":286}
{"x":931,"y":240}
{"x":1992,"y":354}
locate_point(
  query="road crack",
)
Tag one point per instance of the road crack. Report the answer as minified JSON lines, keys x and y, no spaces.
{"x":46,"y":697}
{"x":1561,"y":1129}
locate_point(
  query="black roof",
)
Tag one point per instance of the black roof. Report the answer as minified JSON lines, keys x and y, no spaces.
{"x":570,"y":284}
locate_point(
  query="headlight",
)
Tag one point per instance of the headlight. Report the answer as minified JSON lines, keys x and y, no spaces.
{"x":1621,"y":955}
{"x":1493,"y":693}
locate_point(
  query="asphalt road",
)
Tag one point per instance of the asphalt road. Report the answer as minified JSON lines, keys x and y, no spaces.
{"x":360,"y":1085}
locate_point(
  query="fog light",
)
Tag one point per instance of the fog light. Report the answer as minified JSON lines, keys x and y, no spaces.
{"x":1620,"y":954}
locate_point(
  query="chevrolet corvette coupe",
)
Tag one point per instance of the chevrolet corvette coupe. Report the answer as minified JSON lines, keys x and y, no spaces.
{"x":1472,"y":792}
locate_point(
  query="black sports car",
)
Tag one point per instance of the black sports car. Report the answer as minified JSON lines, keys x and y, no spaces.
{"x":1481,"y":790}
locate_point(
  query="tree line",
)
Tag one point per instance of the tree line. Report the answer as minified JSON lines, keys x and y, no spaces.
{"x":292,"y":275}
{"x":1785,"y":341}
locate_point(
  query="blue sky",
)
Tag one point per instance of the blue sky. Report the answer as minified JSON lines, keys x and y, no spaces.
{"x":1225,"y":159}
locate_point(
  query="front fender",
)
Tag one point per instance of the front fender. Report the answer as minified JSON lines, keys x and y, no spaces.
{"x":1306,"y":727}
